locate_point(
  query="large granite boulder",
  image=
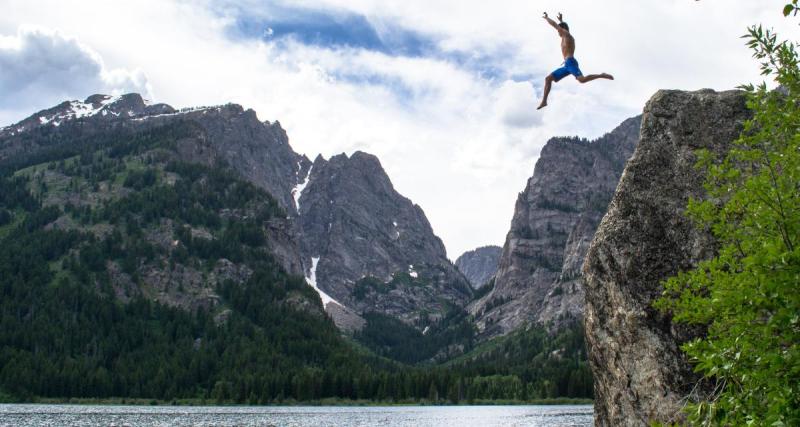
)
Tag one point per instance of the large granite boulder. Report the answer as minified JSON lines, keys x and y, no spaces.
{"x":640,"y":373}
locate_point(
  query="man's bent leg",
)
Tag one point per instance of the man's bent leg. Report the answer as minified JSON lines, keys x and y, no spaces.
{"x":590,"y":77}
{"x":548,"y":82}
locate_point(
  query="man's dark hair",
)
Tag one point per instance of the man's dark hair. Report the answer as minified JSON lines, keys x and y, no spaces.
{"x":563,"y":25}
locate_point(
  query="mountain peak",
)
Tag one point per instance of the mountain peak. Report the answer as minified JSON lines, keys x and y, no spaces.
{"x":104,"y":107}
{"x":479,"y":265}
{"x":97,"y":106}
{"x":361,"y":155}
{"x":376,"y":250}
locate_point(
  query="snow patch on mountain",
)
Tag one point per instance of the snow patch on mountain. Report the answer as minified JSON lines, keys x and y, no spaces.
{"x":297,"y":191}
{"x":182,"y":111}
{"x":81,"y":109}
{"x":311,"y":279}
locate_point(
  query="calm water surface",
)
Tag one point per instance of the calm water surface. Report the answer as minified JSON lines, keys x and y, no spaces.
{"x":294,"y":416}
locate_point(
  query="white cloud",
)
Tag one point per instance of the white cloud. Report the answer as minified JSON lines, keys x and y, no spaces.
{"x":458,"y":143}
{"x":517,"y":102}
{"x":41,"y":67}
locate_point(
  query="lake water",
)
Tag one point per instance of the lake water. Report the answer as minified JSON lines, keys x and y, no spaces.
{"x":293,"y":416}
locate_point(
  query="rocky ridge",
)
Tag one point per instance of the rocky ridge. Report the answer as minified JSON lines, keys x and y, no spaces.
{"x":640,"y":373}
{"x":227,"y":134}
{"x":538,"y":278}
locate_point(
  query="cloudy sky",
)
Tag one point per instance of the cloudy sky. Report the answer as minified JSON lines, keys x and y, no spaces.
{"x":443,"y":91}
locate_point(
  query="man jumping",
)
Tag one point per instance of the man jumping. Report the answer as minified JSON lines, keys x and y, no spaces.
{"x":570,"y":64}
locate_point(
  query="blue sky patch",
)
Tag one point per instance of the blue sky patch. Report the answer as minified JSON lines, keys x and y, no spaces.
{"x":335,"y":29}
{"x":329,"y":29}
{"x":403,"y":93}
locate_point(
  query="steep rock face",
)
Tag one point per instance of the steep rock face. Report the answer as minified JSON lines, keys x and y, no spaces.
{"x":370,"y":248}
{"x":259,"y":151}
{"x":640,"y":373}
{"x":479,"y":265}
{"x":554,"y":221}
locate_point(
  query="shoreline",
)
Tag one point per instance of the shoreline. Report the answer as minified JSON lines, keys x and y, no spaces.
{"x":289,"y":402}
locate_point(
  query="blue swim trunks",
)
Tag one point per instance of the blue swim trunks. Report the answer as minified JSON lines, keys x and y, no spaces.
{"x":570,"y":67}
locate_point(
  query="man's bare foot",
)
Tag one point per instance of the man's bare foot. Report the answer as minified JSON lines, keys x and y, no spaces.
{"x":607,"y":76}
{"x":542,"y":105}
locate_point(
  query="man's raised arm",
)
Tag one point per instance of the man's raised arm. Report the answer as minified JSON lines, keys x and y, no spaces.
{"x":552,"y":23}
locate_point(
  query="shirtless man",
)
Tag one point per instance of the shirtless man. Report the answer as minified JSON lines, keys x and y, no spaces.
{"x":570,"y":64}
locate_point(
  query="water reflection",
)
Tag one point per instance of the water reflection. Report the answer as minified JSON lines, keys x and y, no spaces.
{"x":293,"y":416}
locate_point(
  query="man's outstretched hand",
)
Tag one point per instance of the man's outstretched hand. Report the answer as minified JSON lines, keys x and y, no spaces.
{"x":545,"y":15}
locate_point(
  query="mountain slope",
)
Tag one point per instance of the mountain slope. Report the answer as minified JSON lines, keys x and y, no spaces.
{"x":129,"y":272}
{"x":538,"y":279}
{"x":226,"y":133}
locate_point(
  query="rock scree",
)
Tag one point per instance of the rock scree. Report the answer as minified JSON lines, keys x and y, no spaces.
{"x":640,"y":373}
